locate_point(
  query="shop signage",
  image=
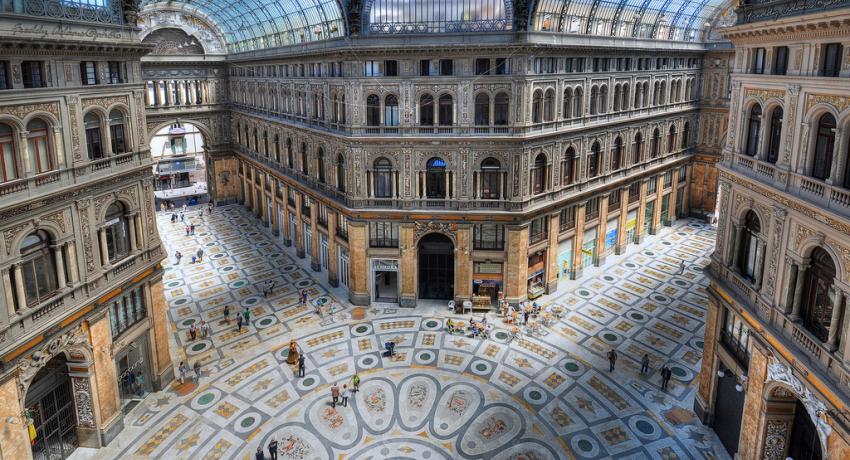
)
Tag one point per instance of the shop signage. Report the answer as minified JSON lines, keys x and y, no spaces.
{"x":488,"y":268}
{"x":384,"y":265}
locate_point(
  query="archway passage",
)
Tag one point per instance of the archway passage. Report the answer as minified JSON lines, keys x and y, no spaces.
{"x":436,"y":267}
{"x":50,"y":402}
{"x":804,"y":443}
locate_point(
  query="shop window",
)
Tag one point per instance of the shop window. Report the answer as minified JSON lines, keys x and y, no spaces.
{"x":488,"y":237}
{"x":127,"y":311}
{"x":383,"y":234}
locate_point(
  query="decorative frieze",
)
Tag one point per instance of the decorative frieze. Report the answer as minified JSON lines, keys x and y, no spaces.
{"x":765,"y":94}
{"x":423,"y":228}
{"x":30,"y":365}
{"x":840,"y":103}
{"x":774,"y":441}
{"x":83,"y":402}
{"x":22,"y":110}
{"x":10,"y":234}
{"x":106,"y":102}
{"x":73,"y":101}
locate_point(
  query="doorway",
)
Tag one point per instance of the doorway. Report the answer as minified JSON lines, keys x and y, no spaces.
{"x":51,"y":404}
{"x":804,"y":443}
{"x":386,"y":286}
{"x":436,"y":267}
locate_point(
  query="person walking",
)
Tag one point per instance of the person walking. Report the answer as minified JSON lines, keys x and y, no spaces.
{"x":177,"y":256}
{"x":644,"y":364}
{"x":227,"y":314}
{"x":666,"y":374}
{"x":301,"y":365}
{"x":200,"y":255}
{"x":273,"y":449}
{"x":197,"y":369}
{"x":355,"y":383}
{"x":182,"y":370}
{"x":260,"y":455}
{"x":182,"y":218}
{"x":192,"y":228}
{"x":247,"y":316}
{"x":187,"y":230}
{"x":238,"y":322}
{"x":334,"y":395}
{"x":681,"y":267}
{"x":205,"y":329}
{"x":612,"y":359}
{"x":193,"y":331}
{"x":271,"y":287}
{"x":345,"y":396}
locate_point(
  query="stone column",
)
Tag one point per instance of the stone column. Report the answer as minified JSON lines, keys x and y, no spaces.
{"x":299,"y":227}
{"x":59,"y":147}
{"x":790,"y":282}
{"x":621,"y":225}
{"x":19,"y":287}
{"x":578,"y":240}
{"x":552,"y":269}
{"x":106,"y":400}
{"x":7,"y":291}
{"x":140,"y":235}
{"x":516,"y":265}
{"x":14,"y":441}
{"x":104,"y":249}
{"x":29,"y":169}
{"x":841,"y":162}
{"x":704,"y":398}
{"x":358,"y":244}
{"x":256,"y":207}
{"x":407,"y":265}
{"x":287,"y":238}
{"x":60,"y":265}
{"x":261,"y":208}
{"x":656,"y":211}
{"x":132,"y":226}
{"x":837,"y":307}
{"x":315,"y":262}
{"x":163,"y":367}
{"x":798,"y":292}
{"x":641,"y":213}
{"x":275,"y":217}
{"x":333,"y":257}
{"x":601,"y":230}
{"x":671,"y":212}
{"x":751,"y":425}
{"x":735,"y":255}
{"x":759,"y":275}
{"x":463,"y":264}
{"x":73,"y":271}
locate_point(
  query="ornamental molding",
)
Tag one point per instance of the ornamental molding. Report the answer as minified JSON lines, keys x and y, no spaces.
{"x":782,"y":374}
{"x":840,"y":103}
{"x":106,"y":102}
{"x":21,"y":111}
{"x":765,"y":94}
{"x":10,"y":234}
{"x":423,"y":228}
{"x":83,"y":402}
{"x":30,"y":365}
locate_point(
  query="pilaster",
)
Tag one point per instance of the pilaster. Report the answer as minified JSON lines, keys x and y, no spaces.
{"x":358,"y":243}
{"x":315,"y":263}
{"x":407,"y":244}
{"x":578,"y":240}
{"x":463,"y":264}
{"x":552,"y":268}
{"x":516,"y":265}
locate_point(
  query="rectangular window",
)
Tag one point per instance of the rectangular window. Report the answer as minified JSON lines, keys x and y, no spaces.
{"x":446,"y":67}
{"x":567,"y":219}
{"x":5,"y":81}
{"x":372,"y":68}
{"x":668,"y":179}
{"x":627,"y":65}
{"x":652,"y":185}
{"x":390,"y":68}
{"x":342,"y":227}
{"x":322,"y":218}
{"x":488,"y":236}
{"x":88,"y":73}
{"x":831,"y":61}
{"x":539,"y":230}
{"x":482,"y":66}
{"x":115,"y":72}
{"x":580,"y":65}
{"x":383,"y":234}
{"x":591,"y":209}
{"x":780,"y":60}
{"x":758,"y":60}
{"x":634,"y":192}
{"x":127,"y":311}
{"x":568,"y":65}
{"x":614,"y":201}
{"x":683,"y":174}
{"x":424,"y":68}
{"x":502,"y":66}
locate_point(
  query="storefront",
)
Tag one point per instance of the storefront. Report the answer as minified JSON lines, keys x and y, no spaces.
{"x":611,"y":233}
{"x":323,"y":251}
{"x":537,"y":274}
{"x":134,"y":378}
{"x":385,"y":280}
{"x":128,"y":318}
{"x":308,"y":239}
{"x":631,"y":227}
{"x":342,"y":266}
{"x":486,"y":283}
{"x":647,"y":216}
{"x":665,"y":209}
{"x":565,"y":259}
{"x":588,"y":248}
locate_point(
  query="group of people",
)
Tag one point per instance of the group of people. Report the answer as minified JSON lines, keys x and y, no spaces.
{"x":477,"y":328}
{"x":268,"y":288}
{"x":183,"y":369}
{"x":197,"y":257}
{"x":666,"y":372}
{"x":337,"y":394}
{"x":242,"y":318}
{"x":193,"y":330}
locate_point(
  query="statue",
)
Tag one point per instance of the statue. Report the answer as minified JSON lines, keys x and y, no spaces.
{"x":131,"y":11}
{"x":292,"y":358}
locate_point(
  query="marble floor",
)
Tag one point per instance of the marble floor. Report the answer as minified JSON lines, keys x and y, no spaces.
{"x":543,"y":396}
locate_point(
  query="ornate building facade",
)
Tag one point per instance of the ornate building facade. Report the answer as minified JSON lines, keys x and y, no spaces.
{"x":83,"y":326}
{"x":775,"y":377}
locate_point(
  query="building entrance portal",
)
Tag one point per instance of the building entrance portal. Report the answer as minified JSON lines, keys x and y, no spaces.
{"x":436,"y":267}
{"x":50,"y":403}
{"x":385,"y":280}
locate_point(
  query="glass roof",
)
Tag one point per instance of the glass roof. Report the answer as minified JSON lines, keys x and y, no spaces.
{"x":681,"y":20}
{"x":257,"y":24}
{"x":434,"y":16}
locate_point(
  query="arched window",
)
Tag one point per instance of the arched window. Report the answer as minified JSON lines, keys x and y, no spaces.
{"x":8,"y":154}
{"x":391,"y":110}
{"x":435,"y":178}
{"x":383,"y":178}
{"x":536,"y":107}
{"x":335,"y":109}
{"x":373,"y":110}
{"x":671,"y":139}
{"x":749,"y":246}
{"x":594,"y":95}
{"x":617,"y":154}
{"x":774,"y":134}
{"x":538,"y":175}
{"x":446,"y":110}
{"x":624,"y":105}
{"x":637,"y":149}
{"x":247,"y":139}
{"x":94,"y":137}
{"x":686,"y":131}
{"x":117,"y":132}
{"x":117,"y":232}
{"x":593,"y":161}
{"x":569,"y":170}
{"x":578,"y":105}
{"x":603,"y":99}
{"x":638,"y":96}
{"x":482,"y":110}
{"x":342,"y":109}
{"x":818,"y":293}
{"x":239,"y":133}
{"x":265,"y":143}
{"x":305,"y":163}
{"x":654,"y":143}
{"x":549,"y":105}
{"x":500,"y":109}
{"x":37,"y":268}
{"x":753,"y":129}
{"x":644,"y":97}
{"x":491,"y":179}
{"x":426,"y":110}
{"x":340,"y":173}
{"x":568,"y":103}
{"x":320,"y":165}
{"x":663,"y":97}
{"x":277,"y":148}
{"x":39,"y":146}
{"x":824,"y":144}
{"x":290,"y":161}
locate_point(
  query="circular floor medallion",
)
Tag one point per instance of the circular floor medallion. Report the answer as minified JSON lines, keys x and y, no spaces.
{"x":247,"y":422}
{"x":481,"y":367}
{"x":205,"y":399}
{"x":265,"y":322}
{"x":307,"y":383}
{"x":432,"y":325}
{"x":178,"y":302}
{"x":425,"y":357}
{"x":636,"y":316}
{"x":361,"y":329}
{"x":585,"y":446}
{"x":367,"y":362}
{"x":645,"y":427}
{"x":535,"y":395}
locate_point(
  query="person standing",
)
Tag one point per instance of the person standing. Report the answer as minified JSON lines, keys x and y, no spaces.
{"x":355,"y":383}
{"x":273,"y":449}
{"x":193,"y":331}
{"x":197,"y":369}
{"x":238,"y":322}
{"x":345,"y":396}
{"x":644,"y":364}
{"x":140,"y":383}
{"x":177,"y":256}
{"x":227,"y":314}
{"x":612,"y":359}
{"x":666,"y":374}
{"x":260,"y":455}
{"x":182,"y":370}
{"x":200,"y":255}
{"x":682,"y":267}
{"x":247,"y":315}
{"x":301,"y":365}
{"x":192,"y":228}
{"x":334,"y":395}
{"x":205,"y":329}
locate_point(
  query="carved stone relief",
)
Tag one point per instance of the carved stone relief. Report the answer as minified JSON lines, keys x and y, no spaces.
{"x":423,"y":228}
{"x":780,"y":373}
{"x":30,"y":365}
{"x":83,"y":402}
{"x":105,"y":102}
{"x":22,"y":110}
{"x":841,"y":103}
{"x":774,"y":440}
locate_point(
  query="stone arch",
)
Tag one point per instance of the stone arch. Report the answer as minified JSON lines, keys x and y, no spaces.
{"x":816,"y":241}
{"x":47,"y":116}
{"x":817,"y":111}
{"x":52,"y":228}
{"x":122,"y":199}
{"x":203,"y":128}
{"x":16,"y":123}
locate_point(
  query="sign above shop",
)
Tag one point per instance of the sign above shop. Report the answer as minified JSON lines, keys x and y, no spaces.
{"x":384,"y":265}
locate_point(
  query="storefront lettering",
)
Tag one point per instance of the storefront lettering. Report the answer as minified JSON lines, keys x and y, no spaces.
{"x":384,"y":265}
{"x":65,"y":31}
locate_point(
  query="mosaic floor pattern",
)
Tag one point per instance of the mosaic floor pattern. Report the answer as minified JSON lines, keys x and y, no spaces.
{"x":441,"y":396}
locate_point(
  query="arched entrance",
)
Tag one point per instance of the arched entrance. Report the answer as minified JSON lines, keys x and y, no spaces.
{"x":436,"y":267}
{"x":790,"y":430}
{"x":50,"y":403}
